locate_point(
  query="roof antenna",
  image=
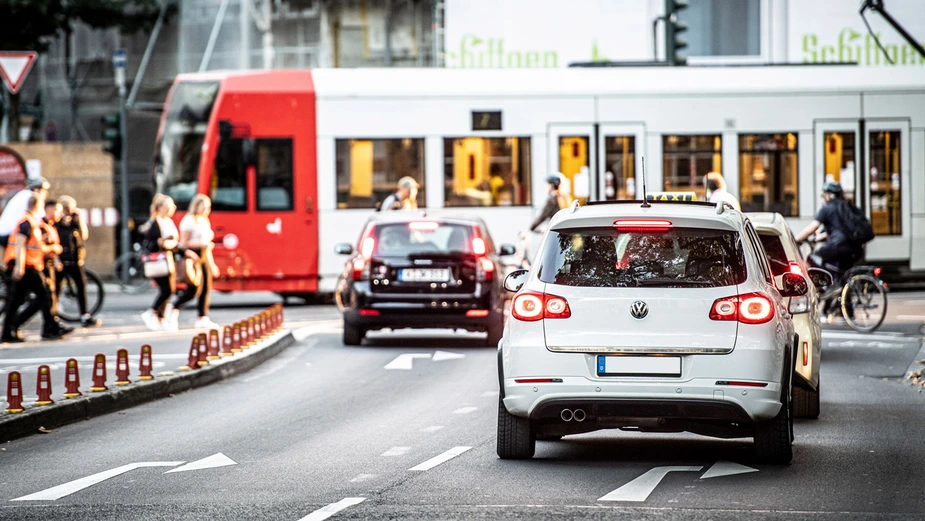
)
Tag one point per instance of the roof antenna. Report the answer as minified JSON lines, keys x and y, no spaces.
{"x":645,"y":196}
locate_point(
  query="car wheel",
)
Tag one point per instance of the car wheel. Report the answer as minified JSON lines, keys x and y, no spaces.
{"x":353,"y":335}
{"x":516,"y":439}
{"x":548,"y":437}
{"x":774,"y":439}
{"x":805,"y":403}
{"x":495,"y":330}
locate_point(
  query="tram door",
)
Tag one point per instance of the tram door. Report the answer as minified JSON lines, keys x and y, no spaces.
{"x":571,"y":153}
{"x":871,"y":160}
{"x":621,"y":148}
{"x":598,"y":161}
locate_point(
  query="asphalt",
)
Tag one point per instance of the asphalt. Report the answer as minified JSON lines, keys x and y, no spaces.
{"x":323,"y":422}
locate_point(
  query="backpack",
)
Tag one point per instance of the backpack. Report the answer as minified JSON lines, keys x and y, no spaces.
{"x":858,"y":229}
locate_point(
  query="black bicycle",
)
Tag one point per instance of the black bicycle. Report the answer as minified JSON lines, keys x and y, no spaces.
{"x":129,"y":271}
{"x":858,"y":294}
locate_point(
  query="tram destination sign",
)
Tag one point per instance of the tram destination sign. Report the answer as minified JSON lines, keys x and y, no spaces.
{"x":486,"y":120}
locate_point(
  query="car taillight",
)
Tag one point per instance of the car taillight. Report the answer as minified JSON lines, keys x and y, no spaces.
{"x":795,"y":268}
{"x":530,"y":306}
{"x":478,"y":246}
{"x":877,"y":271}
{"x":751,"y":308}
{"x":360,"y":269}
{"x":367,"y":247}
{"x":486,"y":269}
{"x":642,"y":225}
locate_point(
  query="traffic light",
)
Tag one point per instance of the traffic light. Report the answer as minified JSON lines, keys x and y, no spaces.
{"x":112,"y":132}
{"x":673,"y":29}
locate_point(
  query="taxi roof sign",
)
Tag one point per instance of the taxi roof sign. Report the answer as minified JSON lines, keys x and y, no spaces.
{"x":672,"y":196}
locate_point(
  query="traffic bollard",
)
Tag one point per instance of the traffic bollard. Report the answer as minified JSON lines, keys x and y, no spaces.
{"x":227,"y":342}
{"x":122,"y":367}
{"x":99,"y":373}
{"x":43,"y":386}
{"x":72,"y":379}
{"x":145,"y":363}
{"x":14,"y":393}
{"x":192,"y":362}
{"x":213,"y":345}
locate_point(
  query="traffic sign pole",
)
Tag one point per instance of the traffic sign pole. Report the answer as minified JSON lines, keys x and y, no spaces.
{"x":118,"y":64}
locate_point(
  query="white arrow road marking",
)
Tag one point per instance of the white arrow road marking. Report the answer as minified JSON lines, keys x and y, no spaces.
{"x":640,"y":488}
{"x":405,"y":361}
{"x":53,"y":493}
{"x":726,"y":468}
{"x":442,"y":458}
{"x":328,"y":511}
{"x":215,"y":460}
{"x":440,"y":356}
{"x":396,"y":451}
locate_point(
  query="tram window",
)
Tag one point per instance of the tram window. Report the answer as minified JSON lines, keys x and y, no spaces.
{"x":487,"y":171}
{"x":620,"y":177}
{"x":885,"y":179}
{"x":229,"y":177}
{"x":274,"y":174}
{"x":839,"y":161}
{"x":768,"y":173}
{"x":368,"y":170}
{"x":687,"y":159}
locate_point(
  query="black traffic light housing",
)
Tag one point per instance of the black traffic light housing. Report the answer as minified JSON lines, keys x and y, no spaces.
{"x":112,"y":132}
{"x":673,"y":29}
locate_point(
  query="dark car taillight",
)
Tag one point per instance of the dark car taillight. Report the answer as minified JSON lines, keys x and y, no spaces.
{"x":367,"y":247}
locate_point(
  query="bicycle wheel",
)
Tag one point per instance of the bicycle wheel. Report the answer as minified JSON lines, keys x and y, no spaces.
{"x":135,"y":280}
{"x":863,"y":303}
{"x":68,"y":306}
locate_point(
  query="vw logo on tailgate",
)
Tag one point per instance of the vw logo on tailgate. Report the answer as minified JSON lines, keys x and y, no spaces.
{"x":639,"y":309}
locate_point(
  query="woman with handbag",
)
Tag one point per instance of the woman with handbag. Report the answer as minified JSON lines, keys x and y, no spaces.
{"x":161,"y":241}
{"x":197,"y":265}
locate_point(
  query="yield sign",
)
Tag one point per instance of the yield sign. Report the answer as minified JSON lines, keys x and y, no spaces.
{"x":14,"y":67}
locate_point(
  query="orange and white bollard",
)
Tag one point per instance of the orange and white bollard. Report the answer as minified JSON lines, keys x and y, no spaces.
{"x":227,"y":342}
{"x":145,"y":363}
{"x":245,"y":336}
{"x":203,"y":350}
{"x":99,"y":373}
{"x":213,"y":345}
{"x":236,"y":338}
{"x":192,"y":362}
{"x":122,"y":367}
{"x":251,"y":332}
{"x":72,"y":379}
{"x":43,"y":386}
{"x":14,"y":393}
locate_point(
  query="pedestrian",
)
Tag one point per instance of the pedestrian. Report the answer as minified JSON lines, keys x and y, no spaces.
{"x":73,"y":232}
{"x":25,"y":257}
{"x":404,"y":198}
{"x":196,"y":236}
{"x":16,"y":206}
{"x":52,"y":259}
{"x":162,"y":237}
{"x":716,"y":190}
{"x":553,"y":202}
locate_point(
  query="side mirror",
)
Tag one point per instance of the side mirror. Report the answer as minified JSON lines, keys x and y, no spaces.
{"x":793,"y":285}
{"x":344,"y":248}
{"x":820,"y":278}
{"x":507,"y":249}
{"x":515,"y":280}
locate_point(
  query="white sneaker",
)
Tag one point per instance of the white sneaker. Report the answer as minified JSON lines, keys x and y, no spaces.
{"x":205,"y":323}
{"x":151,"y":321}
{"x":171,"y":319}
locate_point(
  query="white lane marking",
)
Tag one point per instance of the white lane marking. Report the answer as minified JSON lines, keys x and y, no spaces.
{"x":215,"y":460}
{"x":58,"y":492}
{"x":640,"y":488}
{"x":432,"y":428}
{"x":362,"y":477}
{"x":327,"y":511}
{"x":878,"y":345}
{"x":465,"y":410}
{"x":488,"y":394}
{"x":913,"y":318}
{"x":405,"y":361}
{"x":396,"y":451}
{"x":64,"y":359}
{"x":726,"y":468}
{"x":442,"y":458}
{"x":884,"y":335}
{"x":440,"y":356}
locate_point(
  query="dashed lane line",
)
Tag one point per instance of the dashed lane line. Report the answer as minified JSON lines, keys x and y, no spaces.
{"x":362,"y":477}
{"x":327,"y":511}
{"x":465,"y":410}
{"x":395,"y":451}
{"x":437,"y":460}
{"x":432,"y":428}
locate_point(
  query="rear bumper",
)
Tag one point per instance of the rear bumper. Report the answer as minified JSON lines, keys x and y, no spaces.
{"x":420,"y":319}
{"x":420,"y":311}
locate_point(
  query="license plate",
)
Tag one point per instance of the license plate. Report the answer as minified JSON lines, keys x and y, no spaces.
{"x":424,"y":275}
{"x":638,"y":365}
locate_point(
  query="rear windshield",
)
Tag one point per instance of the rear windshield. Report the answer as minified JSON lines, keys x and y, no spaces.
{"x":774,"y":248}
{"x":681,"y":257}
{"x":407,"y":239}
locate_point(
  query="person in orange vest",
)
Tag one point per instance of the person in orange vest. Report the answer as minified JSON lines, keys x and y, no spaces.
{"x":25,"y":258}
{"x":52,"y":244}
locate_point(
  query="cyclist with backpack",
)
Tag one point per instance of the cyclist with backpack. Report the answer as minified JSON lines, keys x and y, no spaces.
{"x":846,"y":228}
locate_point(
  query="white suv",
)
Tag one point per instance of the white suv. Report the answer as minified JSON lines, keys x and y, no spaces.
{"x":656,"y":318}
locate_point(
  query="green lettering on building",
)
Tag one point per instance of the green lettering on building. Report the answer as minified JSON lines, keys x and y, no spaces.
{"x":490,"y":53}
{"x":853,"y":46}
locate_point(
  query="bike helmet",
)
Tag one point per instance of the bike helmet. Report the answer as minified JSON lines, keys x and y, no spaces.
{"x":833,"y":188}
{"x":554,"y":181}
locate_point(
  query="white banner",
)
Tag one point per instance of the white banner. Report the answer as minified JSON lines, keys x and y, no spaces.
{"x":828,"y":31}
{"x":545,"y":33}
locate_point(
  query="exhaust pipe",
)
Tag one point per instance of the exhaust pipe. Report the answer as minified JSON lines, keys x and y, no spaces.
{"x":566,"y":415}
{"x":579,"y":415}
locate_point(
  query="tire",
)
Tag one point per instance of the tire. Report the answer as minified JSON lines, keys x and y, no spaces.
{"x":495,"y":330}
{"x":774,"y":438}
{"x":805,"y":403}
{"x":516,"y":439}
{"x":867,"y":293}
{"x":548,"y":437}
{"x":68,"y":309}
{"x":353,"y":335}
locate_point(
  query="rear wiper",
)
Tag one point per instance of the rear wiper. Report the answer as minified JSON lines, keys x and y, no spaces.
{"x":673,"y":282}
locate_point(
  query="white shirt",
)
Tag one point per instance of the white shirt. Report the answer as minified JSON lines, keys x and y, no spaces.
{"x":14,"y":211}
{"x":168,"y":228}
{"x":723,"y":195}
{"x":200,"y":228}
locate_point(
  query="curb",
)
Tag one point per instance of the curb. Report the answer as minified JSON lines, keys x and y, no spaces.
{"x":71,"y":410}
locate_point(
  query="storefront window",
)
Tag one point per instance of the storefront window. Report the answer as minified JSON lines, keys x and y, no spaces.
{"x":839,"y":161}
{"x":368,"y":170}
{"x":687,"y":159}
{"x":768,"y":173}
{"x":487,"y":171}
{"x":620,"y":173}
{"x":885,"y":179}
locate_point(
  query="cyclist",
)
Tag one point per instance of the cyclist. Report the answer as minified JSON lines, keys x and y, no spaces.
{"x":554,"y":202}
{"x":838,"y":250}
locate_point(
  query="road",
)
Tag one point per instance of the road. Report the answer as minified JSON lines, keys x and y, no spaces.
{"x":355,"y":430}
